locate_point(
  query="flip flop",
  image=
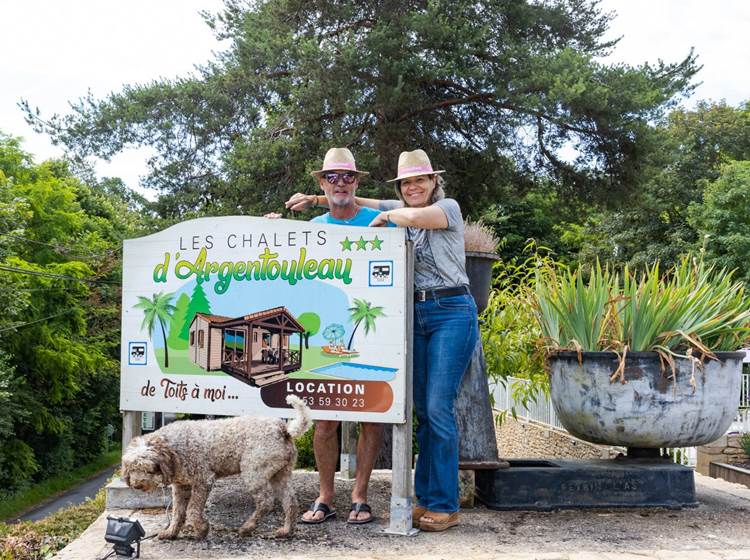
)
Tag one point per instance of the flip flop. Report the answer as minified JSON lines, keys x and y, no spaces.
{"x":358,"y":507}
{"x":316,"y":507}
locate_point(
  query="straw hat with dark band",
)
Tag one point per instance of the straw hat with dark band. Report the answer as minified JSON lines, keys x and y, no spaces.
{"x":338,"y":159}
{"x":413,"y":164}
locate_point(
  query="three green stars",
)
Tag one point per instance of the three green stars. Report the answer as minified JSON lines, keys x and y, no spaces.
{"x":361,"y":244}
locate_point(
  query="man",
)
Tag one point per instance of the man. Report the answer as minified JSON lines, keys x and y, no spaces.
{"x":339,"y":179}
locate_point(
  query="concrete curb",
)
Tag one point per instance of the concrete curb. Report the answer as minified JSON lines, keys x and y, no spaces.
{"x":120,"y":496}
{"x":91,"y":544}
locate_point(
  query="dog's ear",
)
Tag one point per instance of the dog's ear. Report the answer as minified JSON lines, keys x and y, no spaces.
{"x":166,"y":459}
{"x":129,"y":456}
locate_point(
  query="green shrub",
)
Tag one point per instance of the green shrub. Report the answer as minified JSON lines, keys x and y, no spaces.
{"x":511,"y":336}
{"x":305,"y":453}
{"x":17,"y":465}
{"x":40,"y":540}
{"x":745,"y":444}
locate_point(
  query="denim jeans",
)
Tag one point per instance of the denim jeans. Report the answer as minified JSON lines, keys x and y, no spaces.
{"x":445,"y":334}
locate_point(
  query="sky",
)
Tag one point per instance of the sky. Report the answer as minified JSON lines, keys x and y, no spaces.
{"x":54,"y":52}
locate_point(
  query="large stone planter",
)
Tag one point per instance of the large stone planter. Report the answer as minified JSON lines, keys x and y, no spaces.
{"x":650,"y":410}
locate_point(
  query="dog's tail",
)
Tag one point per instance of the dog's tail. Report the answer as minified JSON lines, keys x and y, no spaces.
{"x":300,"y":423}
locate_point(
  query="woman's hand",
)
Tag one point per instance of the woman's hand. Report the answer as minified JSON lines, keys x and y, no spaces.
{"x":381,"y":220}
{"x":301,"y":201}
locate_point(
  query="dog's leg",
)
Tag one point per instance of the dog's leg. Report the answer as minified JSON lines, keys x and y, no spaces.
{"x":282,"y":485}
{"x":256,"y":474}
{"x":263,"y":499}
{"x":180,"y":499}
{"x":195,"y":517}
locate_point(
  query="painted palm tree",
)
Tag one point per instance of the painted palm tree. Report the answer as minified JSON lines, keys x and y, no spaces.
{"x":158,"y":308}
{"x":363,"y":311}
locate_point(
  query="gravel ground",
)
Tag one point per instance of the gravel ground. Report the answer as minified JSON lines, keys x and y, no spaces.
{"x":722,"y":521}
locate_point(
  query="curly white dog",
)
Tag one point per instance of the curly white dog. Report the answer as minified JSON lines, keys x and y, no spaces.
{"x":191,"y":455}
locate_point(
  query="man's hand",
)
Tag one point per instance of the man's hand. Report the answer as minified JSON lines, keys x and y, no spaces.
{"x":301,"y":201}
{"x":272,"y":215}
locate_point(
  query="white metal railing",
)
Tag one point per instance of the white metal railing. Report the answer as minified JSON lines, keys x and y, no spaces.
{"x":741,"y":422}
{"x":541,"y":410}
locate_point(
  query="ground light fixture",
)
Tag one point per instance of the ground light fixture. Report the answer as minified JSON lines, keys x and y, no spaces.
{"x":123,"y":532}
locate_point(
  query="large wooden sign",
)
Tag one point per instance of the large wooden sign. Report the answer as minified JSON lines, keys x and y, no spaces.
{"x":230,"y":315}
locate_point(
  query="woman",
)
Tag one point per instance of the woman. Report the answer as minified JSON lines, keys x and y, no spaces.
{"x":445,"y":326}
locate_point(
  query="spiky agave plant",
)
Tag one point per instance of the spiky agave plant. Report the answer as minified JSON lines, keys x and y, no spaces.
{"x":571,"y":311}
{"x":692,"y":310}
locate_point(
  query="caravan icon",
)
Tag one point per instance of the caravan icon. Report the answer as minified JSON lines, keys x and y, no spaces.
{"x":381,"y":273}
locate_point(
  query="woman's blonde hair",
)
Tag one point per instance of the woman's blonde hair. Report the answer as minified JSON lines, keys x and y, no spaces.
{"x":437,"y":194}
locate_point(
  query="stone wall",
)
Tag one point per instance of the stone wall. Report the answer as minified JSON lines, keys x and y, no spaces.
{"x":726,"y":449}
{"x":528,"y":439}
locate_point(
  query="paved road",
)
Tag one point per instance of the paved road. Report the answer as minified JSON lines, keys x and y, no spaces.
{"x":72,"y":497}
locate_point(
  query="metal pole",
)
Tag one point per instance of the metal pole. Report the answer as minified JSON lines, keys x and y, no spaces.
{"x":401,"y":488}
{"x":348,"y":451}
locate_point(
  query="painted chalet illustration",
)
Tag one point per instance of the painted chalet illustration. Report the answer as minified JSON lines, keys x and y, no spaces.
{"x":256,"y":348}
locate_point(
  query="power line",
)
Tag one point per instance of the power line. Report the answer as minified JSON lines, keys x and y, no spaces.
{"x":58,"y":276}
{"x":58,"y":289}
{"x":33,"y":322}
{"x":61,"y":248}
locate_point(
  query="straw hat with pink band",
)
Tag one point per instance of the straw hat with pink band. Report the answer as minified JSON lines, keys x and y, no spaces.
{"x":338,"y":159}
{"x":413,"y":164}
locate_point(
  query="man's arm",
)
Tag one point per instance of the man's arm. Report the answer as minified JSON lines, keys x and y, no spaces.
{"x":302,"y":201}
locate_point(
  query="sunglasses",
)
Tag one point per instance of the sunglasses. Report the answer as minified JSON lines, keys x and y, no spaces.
{"x":333,"y":178}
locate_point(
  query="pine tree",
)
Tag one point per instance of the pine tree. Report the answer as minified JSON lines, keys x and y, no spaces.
{"x":198,"y":304}
{"x":494,"y":91}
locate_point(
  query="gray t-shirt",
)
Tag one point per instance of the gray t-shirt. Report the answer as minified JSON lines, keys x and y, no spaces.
{"x":440,"y":261}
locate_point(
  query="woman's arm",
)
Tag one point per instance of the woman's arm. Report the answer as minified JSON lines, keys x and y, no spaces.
{"x":368,"y":202}
{"x":430,"y":217}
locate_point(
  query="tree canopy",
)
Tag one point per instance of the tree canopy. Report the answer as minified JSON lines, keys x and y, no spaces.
{"x":59,"y":332}
{"x":689,"y":152}
{"x":724,"y":219}
{"x":492,"y":90}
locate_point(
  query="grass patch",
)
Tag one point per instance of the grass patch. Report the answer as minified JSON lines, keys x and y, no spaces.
{"x":39,"y":540}
{"x":180,"y":363}
{"x":27,"y":499}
